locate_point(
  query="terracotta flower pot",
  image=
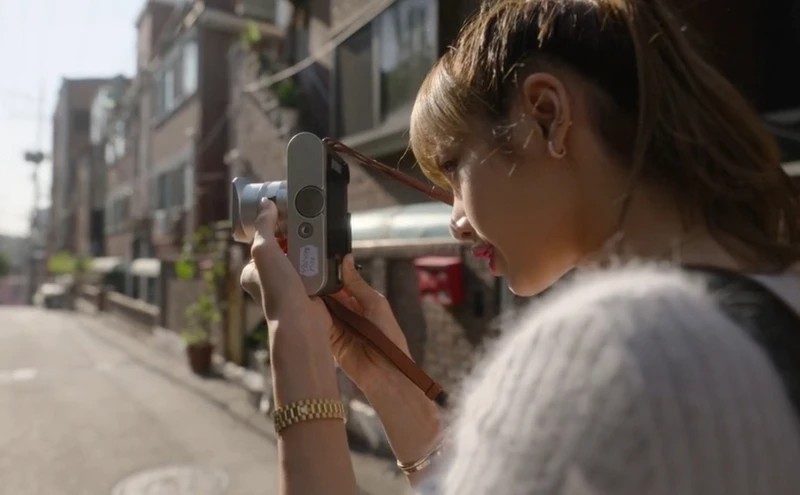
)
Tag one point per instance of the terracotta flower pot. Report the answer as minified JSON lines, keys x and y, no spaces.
{"x":199,"y":355}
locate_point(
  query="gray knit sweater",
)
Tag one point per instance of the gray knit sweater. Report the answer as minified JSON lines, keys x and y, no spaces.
{"x":626,"y":382}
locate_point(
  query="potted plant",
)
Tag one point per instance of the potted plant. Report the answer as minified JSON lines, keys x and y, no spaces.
{"x":200,"y":316}
{"x":201,"y":255}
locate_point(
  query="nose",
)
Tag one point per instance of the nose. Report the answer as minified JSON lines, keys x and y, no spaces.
{"x":460,"y":228}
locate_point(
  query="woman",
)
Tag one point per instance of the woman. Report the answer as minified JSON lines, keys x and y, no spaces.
{"x":576,"y":133}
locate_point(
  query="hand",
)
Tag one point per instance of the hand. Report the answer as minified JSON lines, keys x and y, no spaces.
{"x":358,"y":359}
{"x":299,"y":326}
{"x":411,"y":420}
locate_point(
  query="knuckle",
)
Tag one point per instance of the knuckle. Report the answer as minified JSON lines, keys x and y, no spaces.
{"x":380,"y":302}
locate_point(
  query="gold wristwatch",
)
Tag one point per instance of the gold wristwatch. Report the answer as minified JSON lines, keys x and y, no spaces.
{"x":307,"y":409}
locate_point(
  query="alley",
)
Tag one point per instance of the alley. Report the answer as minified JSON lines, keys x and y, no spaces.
{"x":86,"y":407}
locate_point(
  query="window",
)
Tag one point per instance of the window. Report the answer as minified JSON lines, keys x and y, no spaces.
{"x":407,"y":45}
{"x":169,"y":90}
{"x":108,"y":153}
{"x":119,"y":138}
{"x":116,"y":142}
{"x":191,"y":68}
{"x":170,"y":188}
{"x":117,"y":214}
{"x":380,"y":68}
{"x":80,"y":120}
{"x":355,"y":87}
{"x":177,"y":80}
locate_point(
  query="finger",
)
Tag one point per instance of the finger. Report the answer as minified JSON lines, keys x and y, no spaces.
{"x":266,"y":222}
{"x":249,"y":281}
{"x":367,"y":297}
{"x":350,"y":302}
{"x":279,"y":282}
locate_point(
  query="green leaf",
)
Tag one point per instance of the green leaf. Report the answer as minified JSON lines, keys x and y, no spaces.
{"x":62,"y":263}
{"x":185,"y":269}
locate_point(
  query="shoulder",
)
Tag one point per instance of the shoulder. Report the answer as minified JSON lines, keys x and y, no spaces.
{"x":621,"y":322}
{"x":624,"y":308}
{"x":632,"y":363}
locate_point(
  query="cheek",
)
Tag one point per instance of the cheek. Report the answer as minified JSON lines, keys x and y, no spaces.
{"x":484,"y":207}
{"x":537,"y":232}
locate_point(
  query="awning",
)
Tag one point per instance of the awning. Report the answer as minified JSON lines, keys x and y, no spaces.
{"x":146,"y":267}
{"x":415,"y":221}
{"x":104,"y":265}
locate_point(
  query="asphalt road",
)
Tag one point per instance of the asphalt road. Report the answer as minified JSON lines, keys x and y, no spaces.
{"x":86,"y":409}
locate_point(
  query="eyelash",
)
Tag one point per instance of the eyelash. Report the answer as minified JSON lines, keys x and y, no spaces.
{"x":449,"y":168}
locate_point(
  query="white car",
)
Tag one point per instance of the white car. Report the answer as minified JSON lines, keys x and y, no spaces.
{"x":50,"y":295}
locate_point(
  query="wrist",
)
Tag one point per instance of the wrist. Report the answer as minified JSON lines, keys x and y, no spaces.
{"x":302,"y":368}
{"x":413,"y":422}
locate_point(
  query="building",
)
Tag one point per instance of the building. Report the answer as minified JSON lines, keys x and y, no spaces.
{"x":188,"y":119}
{"x":369,"y":59}
{"x":71,"y":151}
{"x":173,"y":179}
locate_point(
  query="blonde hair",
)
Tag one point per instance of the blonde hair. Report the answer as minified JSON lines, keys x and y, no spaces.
{"x":668,"y":113}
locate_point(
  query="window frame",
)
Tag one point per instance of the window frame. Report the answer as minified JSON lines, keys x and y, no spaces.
{"x":379,"y":114}
{"x":173,"y":64}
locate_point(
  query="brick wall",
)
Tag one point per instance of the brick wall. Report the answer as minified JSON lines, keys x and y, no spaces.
{"x":261,"y":146}
{"x":174,"y":135}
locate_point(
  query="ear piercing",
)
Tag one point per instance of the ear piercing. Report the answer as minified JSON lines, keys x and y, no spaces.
{"x":551,"y":148}
{"x":556,"y":154}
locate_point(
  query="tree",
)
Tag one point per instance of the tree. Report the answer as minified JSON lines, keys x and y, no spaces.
{"x":5,"y":265}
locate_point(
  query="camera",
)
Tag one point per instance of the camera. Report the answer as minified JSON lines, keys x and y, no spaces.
{"x":313,"y":219}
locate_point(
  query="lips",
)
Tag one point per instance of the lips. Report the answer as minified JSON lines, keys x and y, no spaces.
{"x":486,"y":251}
{"x":483,"y":251}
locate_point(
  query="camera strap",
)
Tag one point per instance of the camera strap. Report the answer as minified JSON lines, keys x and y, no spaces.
{"x":374,"y":336}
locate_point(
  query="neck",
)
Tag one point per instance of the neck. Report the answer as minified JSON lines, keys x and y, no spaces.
{"x":654,"y":229}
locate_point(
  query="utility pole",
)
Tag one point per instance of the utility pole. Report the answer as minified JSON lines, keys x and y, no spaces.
{"x":36,"y":236}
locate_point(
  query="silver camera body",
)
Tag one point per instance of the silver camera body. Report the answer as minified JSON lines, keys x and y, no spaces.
{"x":313,"y":218}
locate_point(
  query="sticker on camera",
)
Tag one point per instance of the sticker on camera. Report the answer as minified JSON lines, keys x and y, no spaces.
{"x":309,"y":261}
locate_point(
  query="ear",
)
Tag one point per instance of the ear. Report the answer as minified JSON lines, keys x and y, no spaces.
{"x":545,"y":99}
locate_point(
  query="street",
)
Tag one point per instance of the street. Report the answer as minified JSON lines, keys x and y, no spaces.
{"x":87,"y":407}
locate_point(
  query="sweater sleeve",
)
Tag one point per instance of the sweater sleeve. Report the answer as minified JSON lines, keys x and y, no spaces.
{"x":629,"y":382}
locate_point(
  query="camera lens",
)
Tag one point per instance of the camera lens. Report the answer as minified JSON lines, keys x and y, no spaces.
{"x":309,"y":201}
{"x":305,"y":230}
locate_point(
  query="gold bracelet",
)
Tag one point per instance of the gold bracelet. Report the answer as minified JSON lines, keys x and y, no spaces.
{"x":423,"y":462}
{"x":307,"y":409}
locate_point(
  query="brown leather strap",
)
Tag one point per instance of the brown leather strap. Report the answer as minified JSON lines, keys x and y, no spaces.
{"x":372,"y":334}
{"x":430,"y":190}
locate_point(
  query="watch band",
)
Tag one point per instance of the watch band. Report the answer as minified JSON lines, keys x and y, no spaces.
{"x":306,"y":410}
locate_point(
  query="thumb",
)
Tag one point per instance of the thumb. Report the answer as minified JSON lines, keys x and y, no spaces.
{"x":266,"y":221}
{"x":358,"y":288}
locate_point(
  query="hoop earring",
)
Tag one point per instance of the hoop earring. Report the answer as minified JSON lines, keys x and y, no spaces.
{"x":556,"y":154}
